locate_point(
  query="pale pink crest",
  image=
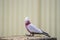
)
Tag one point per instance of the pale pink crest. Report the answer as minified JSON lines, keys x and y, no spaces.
{"x":27,"y":21}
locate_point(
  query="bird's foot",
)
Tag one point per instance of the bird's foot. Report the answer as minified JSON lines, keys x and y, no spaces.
{"x":30,"y":35}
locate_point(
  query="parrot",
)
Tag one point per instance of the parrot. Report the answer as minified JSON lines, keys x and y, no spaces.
{"x":32,"y":29}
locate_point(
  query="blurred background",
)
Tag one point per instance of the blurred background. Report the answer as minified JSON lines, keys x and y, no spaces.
{"x":45,"y":14}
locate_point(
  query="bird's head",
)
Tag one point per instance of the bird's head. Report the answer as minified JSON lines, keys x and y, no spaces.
{"x":27,"y":21}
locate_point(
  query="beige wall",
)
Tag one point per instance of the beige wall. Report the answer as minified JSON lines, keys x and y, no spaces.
{"x":43,"y":13}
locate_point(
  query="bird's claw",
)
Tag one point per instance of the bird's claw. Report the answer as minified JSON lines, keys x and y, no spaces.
{"x":29,"y":35}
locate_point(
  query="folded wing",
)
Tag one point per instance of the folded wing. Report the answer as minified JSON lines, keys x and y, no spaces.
{"x":34,"y":29}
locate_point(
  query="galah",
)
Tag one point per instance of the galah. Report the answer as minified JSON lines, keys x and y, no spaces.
{"x":32,"y":29}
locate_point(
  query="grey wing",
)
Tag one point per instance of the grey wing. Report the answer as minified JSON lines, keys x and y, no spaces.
{"x":34,"y":29}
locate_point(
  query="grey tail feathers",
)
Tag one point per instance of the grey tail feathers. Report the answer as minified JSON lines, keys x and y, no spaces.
{"x":46,"y":34}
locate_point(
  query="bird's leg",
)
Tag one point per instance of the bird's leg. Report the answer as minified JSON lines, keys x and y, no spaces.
{"x":32,"y":34}
{"x":28,"y":35}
